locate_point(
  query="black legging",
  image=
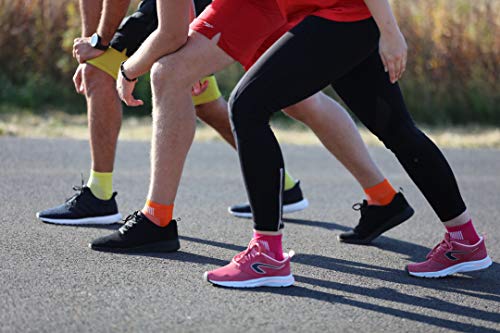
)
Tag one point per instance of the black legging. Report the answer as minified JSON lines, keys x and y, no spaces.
{"x":314,"y":54}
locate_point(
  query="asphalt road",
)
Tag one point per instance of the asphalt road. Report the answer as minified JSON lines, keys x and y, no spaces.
{"x":52,"y":282}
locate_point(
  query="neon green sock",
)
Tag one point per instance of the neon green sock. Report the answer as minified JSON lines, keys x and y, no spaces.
{"x":289,"y":181}
{"x":101,"y":184}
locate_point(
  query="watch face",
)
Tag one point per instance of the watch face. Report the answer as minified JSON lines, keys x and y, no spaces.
{"x":94,"y":40}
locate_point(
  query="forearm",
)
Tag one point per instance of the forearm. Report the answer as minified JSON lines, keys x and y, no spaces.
{"x":156,"y":46}
{"x":90,"y":13}
{"x":171,"y":35}
{"x":112,"y":14}
{"x":383,"y":16}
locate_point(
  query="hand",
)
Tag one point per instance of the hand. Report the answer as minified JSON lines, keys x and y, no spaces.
{"x":199,"y":88}
{"x":125,"y":89}
{"x":393,"y":51}
{"x":83,"y":51}
{"x":78,"y":80}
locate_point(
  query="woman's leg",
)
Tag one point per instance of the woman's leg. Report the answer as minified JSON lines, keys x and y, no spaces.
{"x":380,"y":106}
{"x":297,"y":66}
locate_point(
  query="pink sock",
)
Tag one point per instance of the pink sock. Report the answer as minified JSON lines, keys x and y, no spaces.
{"x":464,"y":232}
{"x":272,"y":243}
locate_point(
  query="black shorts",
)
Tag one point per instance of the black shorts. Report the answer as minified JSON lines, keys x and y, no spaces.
{"x":135,"y":28}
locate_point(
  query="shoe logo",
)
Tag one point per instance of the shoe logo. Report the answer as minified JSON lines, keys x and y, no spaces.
{"x":150,"y":210}
{"x":450,"y":254}
{"x":257,"y":267}
{"x":208,"y":25}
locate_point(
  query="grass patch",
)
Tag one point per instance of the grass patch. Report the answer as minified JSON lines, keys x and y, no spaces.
{"x":54,"y":124}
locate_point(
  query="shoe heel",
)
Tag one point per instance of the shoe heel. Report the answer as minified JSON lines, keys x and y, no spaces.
{"x":476,"y":265}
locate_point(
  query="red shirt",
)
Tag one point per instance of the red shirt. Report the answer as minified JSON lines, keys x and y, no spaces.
{"x":335,"y":10}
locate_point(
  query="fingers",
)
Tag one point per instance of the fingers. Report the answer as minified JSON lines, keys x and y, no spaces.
{"x":384,"y":61}
{"x":76,"y":42}
{"x":199,"y":88}
{"x":204,"y":86}
{"x":391,"y":67}
{"x":130,"y":100}
{"x":78,"y":82}
{"x":403,"y":65}
{"x":134,"y":102}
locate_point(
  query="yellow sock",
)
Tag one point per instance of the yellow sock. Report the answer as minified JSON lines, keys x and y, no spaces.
{"x":289,"y":181}
{"x":101,"y":184}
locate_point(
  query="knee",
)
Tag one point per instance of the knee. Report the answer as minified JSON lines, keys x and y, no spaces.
{"x":169,"y":71}
{"x":305,"y":111}
{"x":402,"y":137}
{"x":160,"y":71}
{"x":95,"y":79}
{"x":237,"y":104}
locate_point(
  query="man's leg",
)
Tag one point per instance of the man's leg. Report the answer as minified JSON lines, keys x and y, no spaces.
{"x":338,"y":133}
{"x":104,"y":117}
{"x":174,"y":121}
{"x":215,"y":114}
{"x":95,"y":203}
{"x":173,"y":111}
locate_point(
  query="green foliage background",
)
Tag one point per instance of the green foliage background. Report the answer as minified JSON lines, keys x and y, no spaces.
{"x":452,"y":75}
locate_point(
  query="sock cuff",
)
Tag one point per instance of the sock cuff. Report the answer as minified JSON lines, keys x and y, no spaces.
{"x":159,"y":214}
{"x":97,"y":173}
{"x":380,"y":194}
{"x":459,"y":227}
{"x":101,"y":184}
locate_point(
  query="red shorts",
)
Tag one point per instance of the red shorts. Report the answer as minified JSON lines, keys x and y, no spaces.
{"x":247,"y":27}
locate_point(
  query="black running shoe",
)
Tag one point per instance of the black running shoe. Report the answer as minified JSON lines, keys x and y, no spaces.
{"x":376,"y":220}
{"x":81,"y":209}
{"x":293,"y":201}
{"x":139,"y":234}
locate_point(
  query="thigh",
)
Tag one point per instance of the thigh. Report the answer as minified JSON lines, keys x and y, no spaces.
{"x":370,"y":95}
{"x":306,"y":59}
{"x":242,"y":25}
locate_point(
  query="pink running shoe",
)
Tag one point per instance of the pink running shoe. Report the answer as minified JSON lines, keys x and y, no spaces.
{"x":450,"y":257}
{"x":253,"y":268}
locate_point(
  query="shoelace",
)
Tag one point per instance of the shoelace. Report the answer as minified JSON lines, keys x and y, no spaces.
{"x":79,"y":190}
{"x":248,"y":254}
{"x":445,"y":244}
{"x":129,"y":222}
{"x":359,"y":206}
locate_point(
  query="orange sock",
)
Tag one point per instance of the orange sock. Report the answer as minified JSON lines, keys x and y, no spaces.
{"x":159,"y":214}
{"x":380,"y":194}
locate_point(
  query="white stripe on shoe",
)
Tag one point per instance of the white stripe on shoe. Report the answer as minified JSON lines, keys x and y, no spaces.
{"x":272,"y":281}
{"x":287,"y":209}
{"x":468,"y":266}
{"x":97,"y":220}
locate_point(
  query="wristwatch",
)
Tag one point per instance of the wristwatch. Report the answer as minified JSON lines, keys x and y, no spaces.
{"x":96,"y":42}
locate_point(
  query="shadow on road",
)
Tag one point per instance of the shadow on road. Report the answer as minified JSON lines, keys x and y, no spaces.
{"x":470,"y":285}
{"x":413,"y":252}
{"x":390,"y":295}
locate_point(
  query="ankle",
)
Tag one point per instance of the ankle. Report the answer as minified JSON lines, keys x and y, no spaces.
{"x":463,"y":233}
{"x":159,"y":214}
{"x":381,"y":194}
{"x":272,"y":243}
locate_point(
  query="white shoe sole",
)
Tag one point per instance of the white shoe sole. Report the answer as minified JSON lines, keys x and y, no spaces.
{"x":98,"y":220}
{"x":274,"y":281}
{"x":464,"y":267}
{"x":287,"y":209}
